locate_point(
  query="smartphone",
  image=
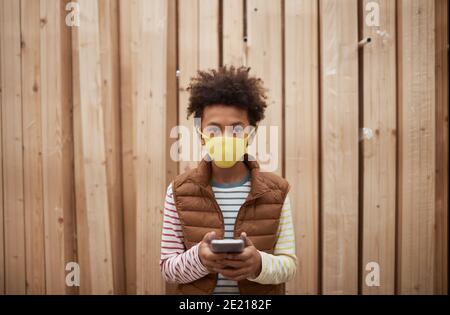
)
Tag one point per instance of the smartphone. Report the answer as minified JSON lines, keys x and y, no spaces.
{"x":227,"y":246}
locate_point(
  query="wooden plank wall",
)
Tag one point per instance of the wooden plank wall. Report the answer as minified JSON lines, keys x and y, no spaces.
{"x":94,"y":237}
{"x":143,"y":72}
{"x":86,"y":113}
{"x":378,"y":152}
{"x":302,"y":148}
{"x":264,"y":57}
{"x":57,"y":145}
{"x":339,"y":145}
{"x":441,"y":262}
{"x":110,"y":85}
{"x":417,"y":135}
{"x":198,"y":48}
{"x":12,"y":138}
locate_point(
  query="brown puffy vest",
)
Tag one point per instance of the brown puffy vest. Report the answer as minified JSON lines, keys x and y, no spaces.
{"x":259,"y":217}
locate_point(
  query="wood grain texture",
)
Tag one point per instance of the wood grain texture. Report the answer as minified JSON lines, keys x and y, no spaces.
{"x":12,"y":141}
{"x":150,"y":122}
{"x":441,"y":263}
{"x":302,"y":137}
{"x":2,"y":246}
{"x":172,"y":86}
{"x":379,"y":151}
{"x":110,"y":89}
{"x":339,"y":145}
{"x":127,"y":11}
{"x":264,"y":56}
{"x":144,"y":68}
{"x":172,"y":100}
{"x":89,"y":132}
{"x":32,"y":148}
{"x":416,"y":170}
{"x":65,"y":142}
{"x":57,"y":145}
{"x":234,"y":46}
{"x":198,"y":49}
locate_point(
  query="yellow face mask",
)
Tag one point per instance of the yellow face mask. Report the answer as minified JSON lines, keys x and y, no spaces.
{"x":225,"y":151}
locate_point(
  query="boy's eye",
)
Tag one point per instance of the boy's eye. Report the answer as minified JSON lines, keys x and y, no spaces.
{"x":212,"y":131}
{"x":238,"y":131}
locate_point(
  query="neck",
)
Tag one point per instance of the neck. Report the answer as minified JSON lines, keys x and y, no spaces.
{"x":229,"y":175}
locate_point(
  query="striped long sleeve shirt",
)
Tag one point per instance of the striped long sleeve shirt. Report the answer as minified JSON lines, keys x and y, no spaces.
{"x":179,"y":265}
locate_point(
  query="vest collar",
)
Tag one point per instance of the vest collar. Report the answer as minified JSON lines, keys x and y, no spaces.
{"x":203,"y":176}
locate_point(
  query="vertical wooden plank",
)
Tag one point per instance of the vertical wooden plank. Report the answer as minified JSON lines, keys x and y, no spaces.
{"x":339,"y":145}
{"x":143,"y":48}
{"x":302,"y":140}
{"x":172,"y":100}
{"x":264,"y":56}
{"x":128,"y":40}
{"x":66,"y":133}
{"x":32,"y":148}
{"x":57,"y":145}
{"x":90,"y":154}
{"x":172,"y":85}
{"x":2,"y":248}
{"x":379,"y":151}
{"x":66,"y":142}
{"x":188,"y":58}
{"x":416,"y":147}
{"x":198,"y":49}
{"x":441,"y":264}
{"x":150,"y":119}
{"x":13,"y":195}
{"x":233,"y":33}
{"x":208,"y":32}
{"x":109,"y":56}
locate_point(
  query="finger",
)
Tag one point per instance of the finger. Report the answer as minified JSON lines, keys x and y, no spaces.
{"x":234,"y":263}
{"x":246,"y":239}
{"x":208,"y":265}
{"x":246,"y":272}
{"x":217,"y":256}
{"x":241,"y":277}
{"x":219,"y":265}
{"x":245,"y":255}
{"x":232,"y":273}
{"x":208,"y":237}
{"x":209,"y":254}
{"x":214,"y":265}
{"x":238,"y":277}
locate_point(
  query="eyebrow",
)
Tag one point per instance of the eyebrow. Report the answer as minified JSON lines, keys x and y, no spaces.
{"x":233,"y":124}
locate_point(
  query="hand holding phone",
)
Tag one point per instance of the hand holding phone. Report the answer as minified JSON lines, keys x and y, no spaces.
{"x":227,"y":246}
{"x":242,"y":265}
{"x":208,"y":258}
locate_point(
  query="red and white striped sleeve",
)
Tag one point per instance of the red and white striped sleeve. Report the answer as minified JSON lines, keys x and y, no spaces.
{"x":177,"y":264}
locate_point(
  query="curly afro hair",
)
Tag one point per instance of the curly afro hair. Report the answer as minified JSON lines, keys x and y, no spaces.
{"x":228,"y":86}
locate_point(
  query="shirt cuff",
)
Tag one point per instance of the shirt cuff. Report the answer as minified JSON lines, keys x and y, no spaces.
{"x":264,"y":267}
{"x":201,"y":268}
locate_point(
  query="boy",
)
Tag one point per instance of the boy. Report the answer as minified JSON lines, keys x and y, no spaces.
{"x":227,"y":196}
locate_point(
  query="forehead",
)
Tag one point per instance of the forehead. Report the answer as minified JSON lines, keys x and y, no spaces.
{"x":223,"y":115}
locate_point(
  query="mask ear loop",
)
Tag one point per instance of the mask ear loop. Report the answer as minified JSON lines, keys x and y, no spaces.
{"x":205,"y":136}
{"x":249,"y":134}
